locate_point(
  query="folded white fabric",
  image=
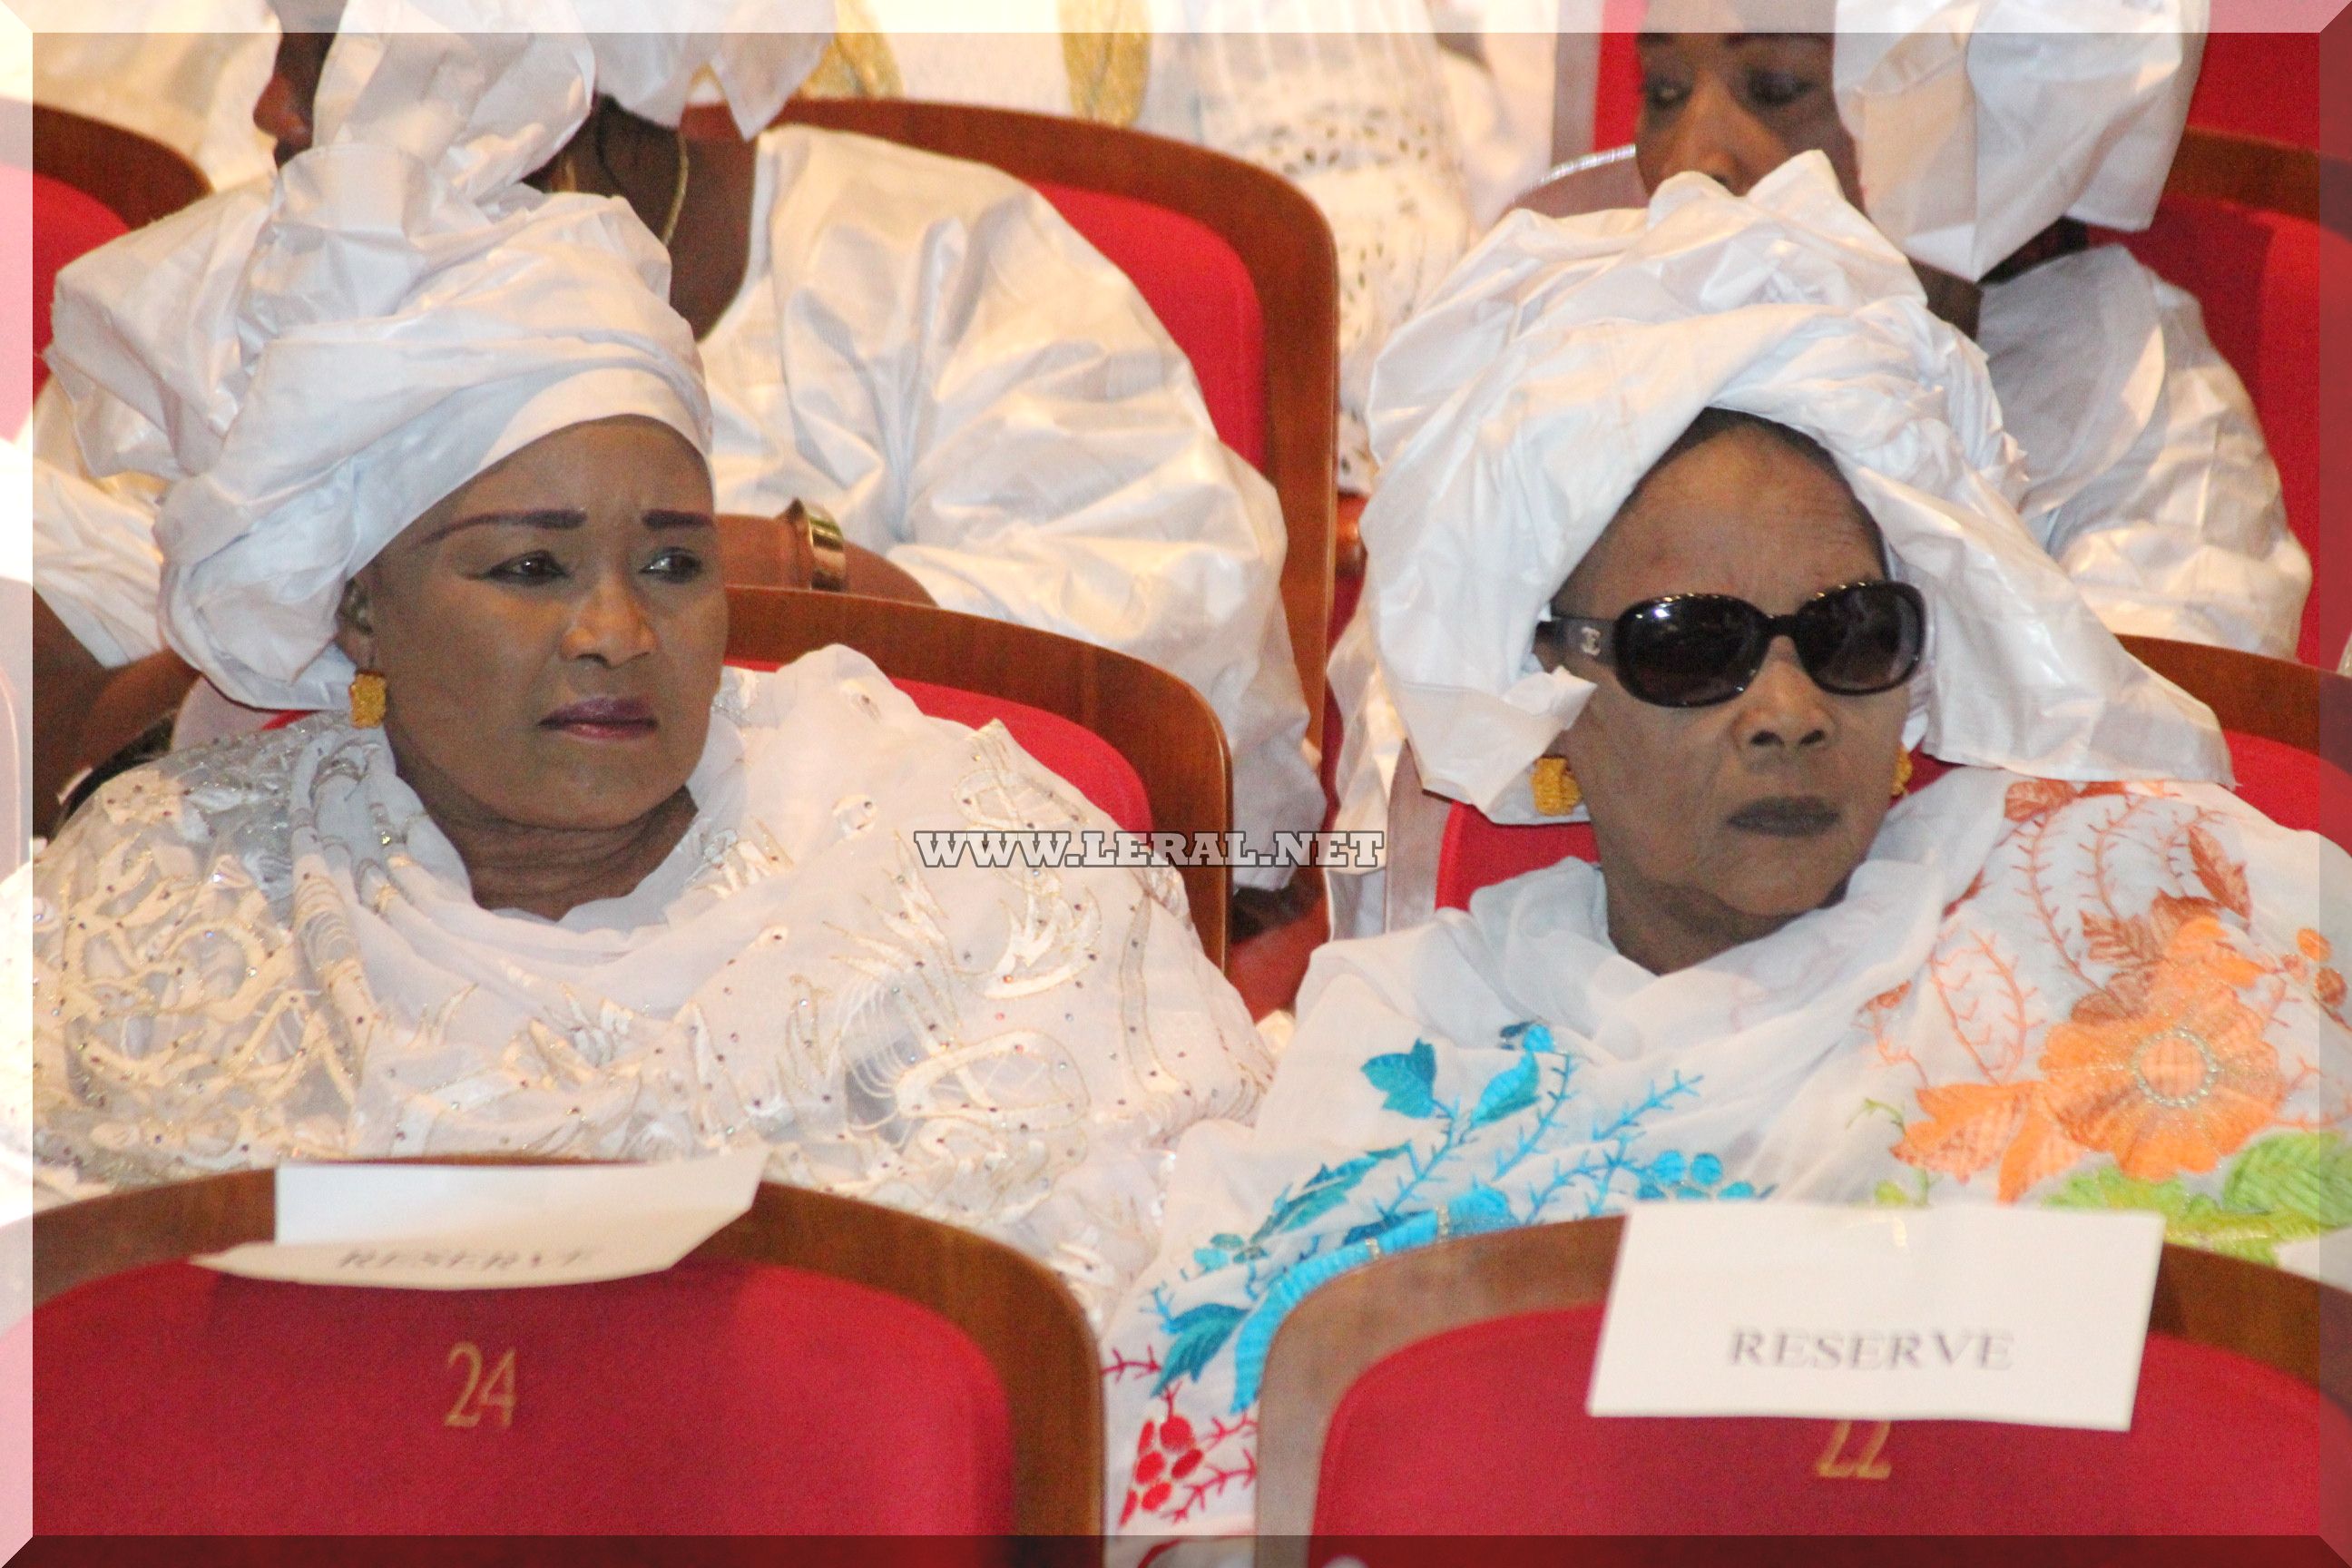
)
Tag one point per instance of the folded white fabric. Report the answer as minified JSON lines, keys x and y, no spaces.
{"x":315,"y":362}
{"x":1980,"y":122}
{"x":1517,"y":412}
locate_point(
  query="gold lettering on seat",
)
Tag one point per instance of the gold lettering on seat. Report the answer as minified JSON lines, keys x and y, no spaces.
{"x":1867,"y":1467}
{"x":495,"y":1392}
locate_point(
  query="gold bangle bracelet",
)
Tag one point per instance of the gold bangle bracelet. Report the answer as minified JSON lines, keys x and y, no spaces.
{"x":828,"y":551}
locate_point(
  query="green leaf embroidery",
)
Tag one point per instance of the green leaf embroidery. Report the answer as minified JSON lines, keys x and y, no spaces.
{"x":2190,"y":1218}
{"x":2305,"y":1174}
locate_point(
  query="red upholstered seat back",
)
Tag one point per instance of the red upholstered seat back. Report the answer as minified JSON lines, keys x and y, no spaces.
{"x":67,"y":223}
{"x":1482,"y":1429}
{"x":716,"y":1398}
{"x":1200,"y":288}
{"x":2257,"y":276}
{"x":1070,"y":751}
{"x":2292,"y":787}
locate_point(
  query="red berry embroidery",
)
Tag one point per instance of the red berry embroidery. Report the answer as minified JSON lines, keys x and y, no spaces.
{"x":1155,"y":1497}
{"x":1148,"y":1467}
{"x":1175,"y":1433}
{"x":1143,"y":1438}
{"x":1185,"y":1466}
{"x":1128,"y":1511}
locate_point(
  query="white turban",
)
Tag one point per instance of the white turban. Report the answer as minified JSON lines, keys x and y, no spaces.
{"x":1518,"y":410}
{"x":315,"y":363}
{"x":649,"y":54}
{"x":1980,"y":122}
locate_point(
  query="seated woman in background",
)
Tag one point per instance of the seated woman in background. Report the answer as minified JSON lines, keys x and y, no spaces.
{"x":919,"y":345}
{"x":559,"y":884}
{"x":1703,"y":515}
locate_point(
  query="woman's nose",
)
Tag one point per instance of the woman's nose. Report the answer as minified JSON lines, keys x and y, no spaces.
{"x":610,"y":626}
{"x":1715,"y":136}
{"x":280,"y":116}
{"x":1782,"y":710}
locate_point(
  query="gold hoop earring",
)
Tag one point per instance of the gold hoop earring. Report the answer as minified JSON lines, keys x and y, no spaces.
{"x":367,"y":699}
{"x":1901,"y":775}
{"x":1555,"y":788}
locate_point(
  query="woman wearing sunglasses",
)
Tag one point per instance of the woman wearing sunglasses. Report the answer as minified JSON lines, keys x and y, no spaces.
{"x":1698,"y":522}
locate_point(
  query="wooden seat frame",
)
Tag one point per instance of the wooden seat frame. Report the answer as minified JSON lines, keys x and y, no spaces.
{"x":1165,"y":730}
{"x":1282,"y":238}
{"x":1013,"y":1308}
{"x":1344,"y":1329}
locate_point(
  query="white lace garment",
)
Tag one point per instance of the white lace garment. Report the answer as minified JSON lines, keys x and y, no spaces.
{"x":266,"y":951}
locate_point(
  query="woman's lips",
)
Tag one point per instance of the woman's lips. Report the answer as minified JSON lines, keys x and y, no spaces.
{"x":1786,"y":817}
{"x":603,"y":719}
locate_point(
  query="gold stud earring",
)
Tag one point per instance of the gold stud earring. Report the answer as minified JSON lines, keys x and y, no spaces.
{"x":1901,"y":775}
{"x":1555,"y":788}
{"x":367,"y":699}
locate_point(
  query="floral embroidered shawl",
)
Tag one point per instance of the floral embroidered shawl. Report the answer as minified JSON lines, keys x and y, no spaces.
{"x":266,"y":951}
{"x":2081,"y":995}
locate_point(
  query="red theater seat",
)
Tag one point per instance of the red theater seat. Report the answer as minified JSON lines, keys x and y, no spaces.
{"x":1441,"y":1392}
{"x":821,"y":1367}
{"x":1238,"y":265}
{"x":67,"y":224}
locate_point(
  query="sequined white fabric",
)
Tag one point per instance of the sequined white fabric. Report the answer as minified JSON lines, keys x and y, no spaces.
{"x":266,"y":951}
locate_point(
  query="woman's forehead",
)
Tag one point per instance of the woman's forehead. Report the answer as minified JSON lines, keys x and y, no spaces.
{"x":1742,"y":512}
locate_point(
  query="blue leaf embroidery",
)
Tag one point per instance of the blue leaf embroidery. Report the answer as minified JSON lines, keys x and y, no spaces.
{"x":1195,"y":1339}
{"x":1509,"y":1092}
{"x":1405,"y":1079}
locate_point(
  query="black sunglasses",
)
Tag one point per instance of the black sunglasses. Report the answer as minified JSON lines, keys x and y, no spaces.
{"x":1692,"y":650}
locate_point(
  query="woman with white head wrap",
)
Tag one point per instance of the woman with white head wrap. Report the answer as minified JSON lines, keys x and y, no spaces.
{"x":1982,"y":136}
{"x":924,"y":348}
{"x":1616,"y":448}
{"x":1978,"y":136}
{"x":558,"y":884}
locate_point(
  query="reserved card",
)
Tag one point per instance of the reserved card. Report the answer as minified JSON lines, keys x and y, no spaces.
{"x":475,"y":1227}
{"x":1977,"y":1313}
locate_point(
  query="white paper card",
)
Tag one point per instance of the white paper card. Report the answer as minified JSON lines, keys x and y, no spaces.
{"x":1965,"y":1314}
{"x":474,"y":1227}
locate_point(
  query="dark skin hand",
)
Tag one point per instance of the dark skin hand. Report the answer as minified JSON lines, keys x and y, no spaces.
{"x":84,"y":713}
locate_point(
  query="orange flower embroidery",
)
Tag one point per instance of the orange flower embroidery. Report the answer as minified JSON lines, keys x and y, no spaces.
{"x":2170,"y":1072}
{"x":1970,"y":1125}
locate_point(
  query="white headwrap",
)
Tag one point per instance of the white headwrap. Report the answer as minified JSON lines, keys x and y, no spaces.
{"x":316,"y":363}
{"x":1980,"y":122}
{"x":1518,"y":410}
{"x":649,"y":54}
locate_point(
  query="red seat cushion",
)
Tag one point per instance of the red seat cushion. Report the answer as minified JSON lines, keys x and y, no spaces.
{"x":2294,"y":788}
{"x":67,"y":223}
{"x":1070,"y":751}
{"x":1200,"y":288}
{"x":716,"y":1398}
{"x":1482,"y":1429}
